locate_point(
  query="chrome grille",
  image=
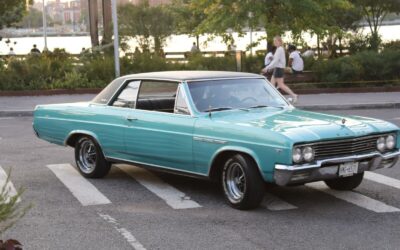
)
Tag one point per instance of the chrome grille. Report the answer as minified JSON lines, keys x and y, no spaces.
{"x":344,"y":147}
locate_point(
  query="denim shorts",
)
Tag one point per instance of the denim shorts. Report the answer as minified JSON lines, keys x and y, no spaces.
{"x":278,"y":72}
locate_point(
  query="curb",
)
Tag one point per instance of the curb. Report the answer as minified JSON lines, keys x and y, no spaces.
{"x":28,"y":113}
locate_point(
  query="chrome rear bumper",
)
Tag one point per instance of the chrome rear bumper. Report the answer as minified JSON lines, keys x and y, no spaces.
{"x":328,"y":168}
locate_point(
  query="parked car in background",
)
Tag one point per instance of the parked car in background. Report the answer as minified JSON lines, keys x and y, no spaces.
{"x":235,"y":128}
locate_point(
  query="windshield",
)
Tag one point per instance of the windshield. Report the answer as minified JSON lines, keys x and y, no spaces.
{"x":234,"y":94}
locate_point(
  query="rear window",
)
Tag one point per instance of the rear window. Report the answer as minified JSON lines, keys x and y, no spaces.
{"x":106,"y":94}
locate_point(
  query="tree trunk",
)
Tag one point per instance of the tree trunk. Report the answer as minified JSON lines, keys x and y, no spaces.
{"x":93,"y":23}
{"x":107,"y":22}
{"x":197,"y":40}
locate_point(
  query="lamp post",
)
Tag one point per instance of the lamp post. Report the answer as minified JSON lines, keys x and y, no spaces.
{"x":116,"y":39}
{"x":44,"y":26}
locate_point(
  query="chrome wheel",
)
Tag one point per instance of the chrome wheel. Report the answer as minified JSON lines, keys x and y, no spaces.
{"x":87,"y":156}
{"x":234,"y":182}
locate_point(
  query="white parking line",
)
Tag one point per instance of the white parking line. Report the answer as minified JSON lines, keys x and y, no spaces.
{"x":355,"y":198}
{"x":10,"y":187}
{"x":273,"y":203}
{"x":172,"y":196}
{"x":86,"y":193}
{"x":388,"y":181}
{"x":123,"y":231}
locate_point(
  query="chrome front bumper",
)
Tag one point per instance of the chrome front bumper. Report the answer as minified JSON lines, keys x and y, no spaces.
{"x":328,"y":168}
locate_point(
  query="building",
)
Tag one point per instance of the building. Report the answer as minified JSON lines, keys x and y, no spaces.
{"x":72,"y":12}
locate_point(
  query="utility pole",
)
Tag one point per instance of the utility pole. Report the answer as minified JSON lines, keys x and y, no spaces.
{"x":116,"y":39}
{"x":44,"y":26}
{"x":93,"y":22}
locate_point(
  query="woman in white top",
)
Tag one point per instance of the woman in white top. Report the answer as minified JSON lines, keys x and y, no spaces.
{"x":278,"y":64}
{"x":269,"y":56}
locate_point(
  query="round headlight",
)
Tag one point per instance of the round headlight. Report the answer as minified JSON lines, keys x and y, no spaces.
{"x":381,"y":144}
{"x":390,"y":142}
{"x":296,"y":155}
{"x":308,"y":154}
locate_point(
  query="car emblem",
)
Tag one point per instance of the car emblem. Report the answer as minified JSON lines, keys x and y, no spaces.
{"x":343,"y":121}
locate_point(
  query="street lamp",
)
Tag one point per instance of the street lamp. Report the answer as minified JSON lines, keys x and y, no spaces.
{"x":44,"y":26}
{"x":116,"y":40}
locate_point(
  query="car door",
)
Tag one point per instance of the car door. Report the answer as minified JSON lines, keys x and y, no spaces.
{"x":160,"y":132}
{"x":113,"y":119}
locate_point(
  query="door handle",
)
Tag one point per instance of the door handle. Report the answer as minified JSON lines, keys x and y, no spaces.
{"x":131,"y":118}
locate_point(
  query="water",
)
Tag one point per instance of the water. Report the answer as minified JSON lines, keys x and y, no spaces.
{"x":176,"y":43}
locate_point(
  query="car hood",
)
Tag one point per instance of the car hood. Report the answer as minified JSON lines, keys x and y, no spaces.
{"x":304,"y":126}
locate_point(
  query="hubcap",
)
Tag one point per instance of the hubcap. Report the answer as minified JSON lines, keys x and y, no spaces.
{"x":235,"y":182}
{"x":87,"y":156}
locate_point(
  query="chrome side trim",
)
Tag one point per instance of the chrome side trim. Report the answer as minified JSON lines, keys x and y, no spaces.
{"x":209,"y":140}
{"x":336,"y":160}
{"x":157,"y":167}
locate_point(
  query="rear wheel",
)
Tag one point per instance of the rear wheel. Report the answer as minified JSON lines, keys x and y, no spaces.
{"x":345,"y":183}
{"x":90,"y":159}
{"x":242,"y":183}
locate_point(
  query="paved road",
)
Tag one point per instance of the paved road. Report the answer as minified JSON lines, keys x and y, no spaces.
{"x":27,"y":103}
{"x":137,"y":209}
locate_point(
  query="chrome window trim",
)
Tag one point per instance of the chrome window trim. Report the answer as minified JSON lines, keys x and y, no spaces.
{"x":319,"y":163}
{"x":123,"y":85}
{"x":288,"y":104}
{"x":223,"y":78}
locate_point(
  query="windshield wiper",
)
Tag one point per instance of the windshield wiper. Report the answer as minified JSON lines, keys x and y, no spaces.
{"x":257,"y":106}
{"x":217,"y":109}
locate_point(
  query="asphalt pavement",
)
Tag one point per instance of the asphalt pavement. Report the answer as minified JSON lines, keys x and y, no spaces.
{"x":138,"y":209}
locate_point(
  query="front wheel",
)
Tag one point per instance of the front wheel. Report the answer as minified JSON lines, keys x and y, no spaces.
{"x":242,"y":183}
{"x":345,"y":183}
{"x":90,"y":159}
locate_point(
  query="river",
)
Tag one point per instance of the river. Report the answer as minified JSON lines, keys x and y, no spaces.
{"x":175,"y":43}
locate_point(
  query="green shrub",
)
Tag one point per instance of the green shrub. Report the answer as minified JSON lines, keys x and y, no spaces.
{"x":198,"y":62}
{"x":366,"y":65}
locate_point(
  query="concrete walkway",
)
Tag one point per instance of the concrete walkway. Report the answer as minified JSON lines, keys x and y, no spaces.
{"x":24,"y":105}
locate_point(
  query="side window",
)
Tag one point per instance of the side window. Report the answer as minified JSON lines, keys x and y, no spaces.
{"x":180,"y":103}
{"x":157,"y":96}
{"x":127,"y":97}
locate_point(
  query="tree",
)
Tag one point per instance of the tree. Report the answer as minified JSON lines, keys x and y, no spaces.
{"x":374,"y":12}
{"x":343,"y":16}
{"x":145,"y":22}
{"x":33,"y":19}
{"x":187,"y":18}
{"x":11,"y":11}
{"x":275,"y":16}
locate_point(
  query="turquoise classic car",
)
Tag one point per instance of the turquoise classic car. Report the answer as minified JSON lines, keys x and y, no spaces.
{"x":235,"y":128}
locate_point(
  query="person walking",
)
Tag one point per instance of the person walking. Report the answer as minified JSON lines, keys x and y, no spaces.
{"x":278,"y":65}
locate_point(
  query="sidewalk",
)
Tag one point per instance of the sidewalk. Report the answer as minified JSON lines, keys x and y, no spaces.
{"x":24,"y":105}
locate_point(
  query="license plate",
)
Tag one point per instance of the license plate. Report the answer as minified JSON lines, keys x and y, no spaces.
{"x":348,"y":169}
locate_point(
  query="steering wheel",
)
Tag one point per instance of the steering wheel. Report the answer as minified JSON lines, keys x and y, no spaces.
{"x":249,"y":98}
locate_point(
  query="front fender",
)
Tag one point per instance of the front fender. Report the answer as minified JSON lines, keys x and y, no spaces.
{"x":239,"y":150}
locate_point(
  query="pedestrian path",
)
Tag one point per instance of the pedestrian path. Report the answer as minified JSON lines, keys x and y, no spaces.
{"x":87,"y":194}
{"x":354,"y":198}
{"x":172,"y":196}
{"x":9,"y":188}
